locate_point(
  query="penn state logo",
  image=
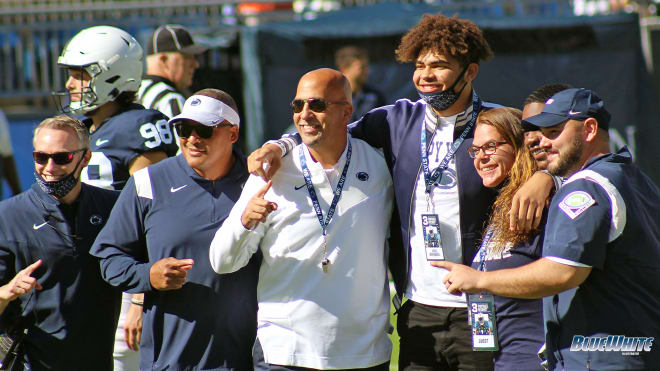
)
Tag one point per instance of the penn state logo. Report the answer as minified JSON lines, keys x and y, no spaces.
{"x":96,"y":219}
{"x":448,"y":179}
{"x":196,"y":102}
{"x":362,"y":176}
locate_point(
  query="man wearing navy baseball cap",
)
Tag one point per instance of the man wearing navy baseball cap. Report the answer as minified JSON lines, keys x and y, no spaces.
{"x":570,"y":107}
{"x":601,"y":250}
{"x":571,"y":104}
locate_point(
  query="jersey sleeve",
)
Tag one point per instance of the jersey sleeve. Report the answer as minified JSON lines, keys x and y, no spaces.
{"x":578,"y":224}
{"x":121,"y":245}
{"x":152,"y":132}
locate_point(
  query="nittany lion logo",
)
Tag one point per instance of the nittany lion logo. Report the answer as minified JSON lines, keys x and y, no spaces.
{"x":196,"y":102}
{"x":448,"y":179}
{"x":96,"y":219}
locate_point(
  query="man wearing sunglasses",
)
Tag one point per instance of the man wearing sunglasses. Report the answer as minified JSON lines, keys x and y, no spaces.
{"x":45,"y":236}
{"x":104,"y":65}
{"x":323,"y":294}
{"x":425,"y":145}
{"x":157,"y":239}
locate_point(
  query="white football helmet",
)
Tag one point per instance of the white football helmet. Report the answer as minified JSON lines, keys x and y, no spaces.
{"x":113,"y":59}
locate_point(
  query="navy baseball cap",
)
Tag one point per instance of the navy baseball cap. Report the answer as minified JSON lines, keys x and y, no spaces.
{"x":570,"y":104}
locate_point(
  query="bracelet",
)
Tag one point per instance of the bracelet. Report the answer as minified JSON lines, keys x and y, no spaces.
{"x":137,"y":302}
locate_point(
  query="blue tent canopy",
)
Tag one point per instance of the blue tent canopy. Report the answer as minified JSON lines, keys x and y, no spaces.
{"x":601,"y":53}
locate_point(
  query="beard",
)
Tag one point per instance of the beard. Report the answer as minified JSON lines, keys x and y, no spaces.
{"x":567,"y":160}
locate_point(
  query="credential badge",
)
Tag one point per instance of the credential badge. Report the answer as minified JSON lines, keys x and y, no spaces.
{"x":575,"y":203}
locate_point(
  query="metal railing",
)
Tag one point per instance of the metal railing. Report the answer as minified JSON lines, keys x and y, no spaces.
{"x":33,"y":32}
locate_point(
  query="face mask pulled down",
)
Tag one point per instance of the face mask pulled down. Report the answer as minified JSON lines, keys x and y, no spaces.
{"x":61,"y":187}
{"x":442,"y":100}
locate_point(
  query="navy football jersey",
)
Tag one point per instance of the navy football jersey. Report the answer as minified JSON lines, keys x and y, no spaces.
{"x":121,"y":138}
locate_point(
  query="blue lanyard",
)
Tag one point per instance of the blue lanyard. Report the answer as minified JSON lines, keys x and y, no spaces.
{"x":312,"y":193}
{"x":432,"y":179}
{"x":483,"y":249}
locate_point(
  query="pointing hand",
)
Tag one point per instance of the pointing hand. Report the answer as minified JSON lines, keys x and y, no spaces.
{"x":258,"y":208}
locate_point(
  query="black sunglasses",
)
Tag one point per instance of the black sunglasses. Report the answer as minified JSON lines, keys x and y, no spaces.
{"x":315,"y":104}
{"x":203,"y":131}
{"x":60,"y":158}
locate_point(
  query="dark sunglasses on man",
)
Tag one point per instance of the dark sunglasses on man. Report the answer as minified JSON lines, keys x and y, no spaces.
{"x":317,"y":105}
{"x":184,"y":130}
{"x":59,"y":158}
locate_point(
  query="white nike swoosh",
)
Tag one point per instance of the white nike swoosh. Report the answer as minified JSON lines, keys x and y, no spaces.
{"x":172,"y":189}
{"x":35,"y":227}
{"x":571,"y":112}
{"x":100,"y":142}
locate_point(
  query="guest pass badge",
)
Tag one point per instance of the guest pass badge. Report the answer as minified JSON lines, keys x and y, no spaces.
{"x":432,"y":239}
{"x":482,"y":322}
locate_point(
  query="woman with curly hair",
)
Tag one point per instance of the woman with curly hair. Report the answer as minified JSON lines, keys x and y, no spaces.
{"x":504,"y":162}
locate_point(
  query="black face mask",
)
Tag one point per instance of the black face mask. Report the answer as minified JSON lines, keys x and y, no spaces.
{"x":62,"y":187}
{"x":442,"y":100}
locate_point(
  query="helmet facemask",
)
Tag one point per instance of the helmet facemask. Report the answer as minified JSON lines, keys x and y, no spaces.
{"x":82,"y":101}
{"x":112,"y":59}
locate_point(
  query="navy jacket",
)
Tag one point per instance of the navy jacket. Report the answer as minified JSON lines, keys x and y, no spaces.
{"x":73,"y":319}
{"x":168,"y":210}
{"x":396,"y":129}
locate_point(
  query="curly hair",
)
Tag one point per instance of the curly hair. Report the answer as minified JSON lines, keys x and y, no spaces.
{"x":506,"y":121}
{"x":453,"y":36}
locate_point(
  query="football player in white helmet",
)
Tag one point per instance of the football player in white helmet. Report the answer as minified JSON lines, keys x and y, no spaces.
{"x":104,"y":66}
{"x":104,"y":62}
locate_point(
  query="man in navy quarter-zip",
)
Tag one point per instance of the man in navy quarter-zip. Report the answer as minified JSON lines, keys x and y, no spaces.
{"x":45,"y":236}
{"x":157,"y":239}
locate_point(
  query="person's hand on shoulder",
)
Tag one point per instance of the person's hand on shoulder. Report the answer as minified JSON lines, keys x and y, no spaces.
{"x":529,"y":202}
{"x":269,"y":155}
